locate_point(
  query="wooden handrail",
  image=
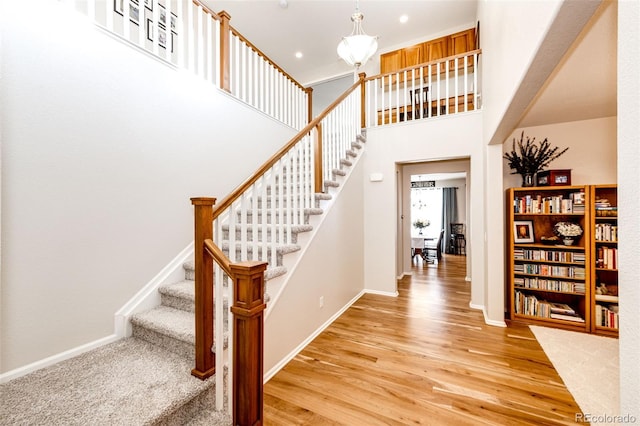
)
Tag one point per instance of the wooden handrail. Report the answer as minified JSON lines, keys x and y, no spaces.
{"x":218,"y":256}
{"x":206,"y":9}
{"x":229,"y":199}
{"x":260,"y":53}
{"x":425,"y":64}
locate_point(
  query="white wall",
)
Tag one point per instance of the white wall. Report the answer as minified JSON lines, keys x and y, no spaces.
{"x":328,"y":91}
{"x":332,"y":268}
{"x":592,"y":154}
{"x":629,"y":203}
{"x":102,"y":148}
{"x":452,"y":137}
{"x":522,"y":43}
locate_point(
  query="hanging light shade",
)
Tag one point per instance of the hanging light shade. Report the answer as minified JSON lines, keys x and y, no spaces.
{"x":357,"y":48}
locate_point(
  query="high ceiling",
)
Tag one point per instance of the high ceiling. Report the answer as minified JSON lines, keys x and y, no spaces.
{"x":315,"y":27}
{"x":582,"y":87}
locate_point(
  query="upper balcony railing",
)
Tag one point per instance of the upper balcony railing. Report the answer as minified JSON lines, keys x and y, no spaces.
{"x":202,"y":41}
{"x":432,"y":89}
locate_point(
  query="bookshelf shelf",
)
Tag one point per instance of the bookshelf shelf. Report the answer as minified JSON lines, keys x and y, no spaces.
{"x":543,"y":278}
{"x":604,"y":259}
{"x":541,"y":290}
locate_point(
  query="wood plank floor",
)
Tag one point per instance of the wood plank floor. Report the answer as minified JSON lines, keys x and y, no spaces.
{"x":424,"y":357}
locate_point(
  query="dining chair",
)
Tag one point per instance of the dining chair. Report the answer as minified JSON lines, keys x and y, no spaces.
{"x":433,"y":252}
{"x":419,"y":98}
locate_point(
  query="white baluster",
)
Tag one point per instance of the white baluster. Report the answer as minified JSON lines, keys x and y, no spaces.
{"x":142,"y":25}
{"x":456,"y":93}
{"x":476,"y":96}
{"x":109,"y":14}
{"x":91,"y":9}
{"x":200,"y":39}
{"x":243,"y":227}
{"x":215,"y":67}
{"x":210,"y":47}
{"x":466,"y":83}
{"x":126,"y":16}
{"x":190,"y":37}
{"x":180,"y":28}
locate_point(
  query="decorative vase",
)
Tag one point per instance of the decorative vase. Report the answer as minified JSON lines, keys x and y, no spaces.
{"x":527,"y":179}
{"x":420,"y":231}
{"x":568,"y":241}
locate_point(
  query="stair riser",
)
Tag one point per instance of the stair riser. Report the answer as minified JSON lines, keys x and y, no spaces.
{"x":270,"y":219}
{"x":176,"y":346}
{"x":270,"y":236}
{"x":279,"y":256}
{"x":187,"y":305}
{"x":270,"y":202}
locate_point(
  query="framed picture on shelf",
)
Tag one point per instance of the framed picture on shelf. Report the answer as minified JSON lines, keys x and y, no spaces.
{"x":523,"y":231}
{"x":134,"y":10}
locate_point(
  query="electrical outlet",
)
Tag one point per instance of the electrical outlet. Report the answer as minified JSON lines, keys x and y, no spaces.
{"x":321,"y":301}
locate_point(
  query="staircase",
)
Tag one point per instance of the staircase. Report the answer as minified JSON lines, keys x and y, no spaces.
{"x":171,"y":325}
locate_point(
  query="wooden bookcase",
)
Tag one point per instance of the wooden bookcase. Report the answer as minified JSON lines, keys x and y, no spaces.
{"x":544,"y":278}
{"x":604,"y":259}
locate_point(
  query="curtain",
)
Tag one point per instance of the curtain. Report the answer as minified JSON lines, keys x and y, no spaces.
{"x":449,"y":216}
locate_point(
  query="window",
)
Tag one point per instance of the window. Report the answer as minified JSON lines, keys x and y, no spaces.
{"x":426,"y":204}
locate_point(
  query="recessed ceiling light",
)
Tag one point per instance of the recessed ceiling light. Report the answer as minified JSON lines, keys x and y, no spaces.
{"x":298,"y":55}
{"x":403,"y":19}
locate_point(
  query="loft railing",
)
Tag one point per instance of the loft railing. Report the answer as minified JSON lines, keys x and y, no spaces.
{"x":189,"y":35}
{"x":237,"y":237}
{"x":432,"y":89}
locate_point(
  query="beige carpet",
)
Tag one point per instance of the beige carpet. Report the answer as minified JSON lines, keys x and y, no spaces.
{"x":588,"y":365}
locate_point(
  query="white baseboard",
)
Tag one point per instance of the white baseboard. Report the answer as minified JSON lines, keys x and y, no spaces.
{"x":280,"y":365}
{"x":478,"y":307}
{"x":467,"y":279}
{"x":148,"y":296}
{"x":492,"y":322}
{"x":382,"y":293}
{"x":30,"y":368}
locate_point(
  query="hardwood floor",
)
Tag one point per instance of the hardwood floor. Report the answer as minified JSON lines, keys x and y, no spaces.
{"x":424,"y":357}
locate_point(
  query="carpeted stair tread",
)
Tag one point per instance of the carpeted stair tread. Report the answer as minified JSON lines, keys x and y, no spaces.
{"x":270,"y":273}
{"x":339,"y":172}
{"x":128,"y":382}
{"x":174,"y":323}
{"x":182,"y":295}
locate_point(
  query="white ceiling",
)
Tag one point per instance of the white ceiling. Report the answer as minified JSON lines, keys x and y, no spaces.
{"x":582,"y":87}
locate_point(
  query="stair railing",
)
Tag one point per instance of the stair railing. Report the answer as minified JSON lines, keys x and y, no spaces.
{"x":432,"y":89}
{"x":237,"y":237}
{"x":189,"y":35}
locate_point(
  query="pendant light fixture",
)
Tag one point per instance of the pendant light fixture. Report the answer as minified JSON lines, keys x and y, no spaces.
{"x":357,"y":48}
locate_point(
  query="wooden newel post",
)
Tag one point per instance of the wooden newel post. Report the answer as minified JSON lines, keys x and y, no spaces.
{"x":205,"y":359}
{"x":225,"y":51}
{"x":248,"y":342}
{"x":309,"y":91}
{"x":363,"y":103}
{"x":317,"y":167}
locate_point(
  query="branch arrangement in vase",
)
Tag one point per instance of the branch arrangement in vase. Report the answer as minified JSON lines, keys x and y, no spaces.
{"x":531,"y":157}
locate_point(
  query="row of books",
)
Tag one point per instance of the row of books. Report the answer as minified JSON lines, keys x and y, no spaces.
{"x":531,"y":305}
{"x":607,"y":258}
{"x":553,"y":204}
{"x":548,"y":255}
{"x":606,"y":232}
{"x":607,"y":316}
{"x":550,"y":285}
{"x":550,"y":270}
